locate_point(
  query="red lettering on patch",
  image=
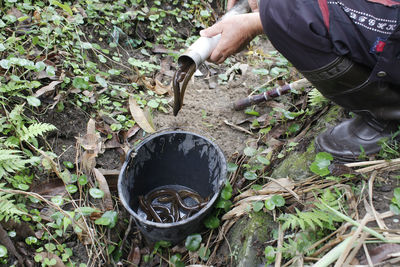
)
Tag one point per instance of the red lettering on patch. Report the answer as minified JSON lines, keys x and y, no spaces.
{"x":385,"y":2}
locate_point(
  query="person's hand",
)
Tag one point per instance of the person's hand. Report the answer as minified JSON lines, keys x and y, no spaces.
{"x":230,"y":4}
{"x":236,"y":32}
{"x":252,"y":3}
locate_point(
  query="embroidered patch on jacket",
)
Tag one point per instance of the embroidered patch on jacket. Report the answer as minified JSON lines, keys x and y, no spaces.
{"x":368,"y":21}
{"x":385,"y":2}
{"x":378,"y":46}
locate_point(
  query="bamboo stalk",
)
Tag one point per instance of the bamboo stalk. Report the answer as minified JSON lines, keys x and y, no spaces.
{"x":352,"y":241}
{"x":350,"y":220}
{"x":278,"y":257}
{"x":332,"y":255}
{"x":356,"y":249}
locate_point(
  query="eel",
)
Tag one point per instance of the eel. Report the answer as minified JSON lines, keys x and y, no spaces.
{"x":182,"y":75}
{"x":174,"y":201}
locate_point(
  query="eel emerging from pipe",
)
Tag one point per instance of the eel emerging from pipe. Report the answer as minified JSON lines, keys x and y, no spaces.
{"x":196,"y":55}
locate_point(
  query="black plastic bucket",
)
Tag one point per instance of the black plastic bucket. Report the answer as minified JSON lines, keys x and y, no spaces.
{"x":172,"y":158}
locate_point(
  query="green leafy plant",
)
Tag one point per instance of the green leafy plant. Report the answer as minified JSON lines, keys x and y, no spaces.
{"x":193,"y":242}
{"x":176,"y":261}
{"x":269,"y":253}
{"x":390,"y":147}
{"x":395,"y":202}
{"x":3,"y":254}
{"x":12,"y":161}
{"x":223,"y":204}
{"x":309,"y":225}
{"x":256,"y":163}
{"x":321,"y":163}
{"x":317,"y":218}
{"x":274,"y":202}
{"x":316,"y":99}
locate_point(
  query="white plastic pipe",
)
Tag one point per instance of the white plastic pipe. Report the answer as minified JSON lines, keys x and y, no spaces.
{"x":202,"y":48}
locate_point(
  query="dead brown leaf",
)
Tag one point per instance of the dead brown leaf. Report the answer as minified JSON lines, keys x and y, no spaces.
{"x":148,"y":83}
{"x":140,"y":117}
{"x":269,"y":188}
{"x":36,"y":15}
{"x":52,"y":187}
{"x":134,"y":256}
{"x":166,"y":64}
{"x":23,"y":229}
{"x":88,"y":161}
{"x":6,"y":241}
{"x":283,"y":186}
{"x":160,"y":49}
{"x":131,"y":132}
{"x":82,"y":12}
{"x":92,"y":144}
{"x":15,"y":12}
{"x":382,"y":252}
{"x":84,"y":235}
{"x":47,"y":88}
{"x":103,"y":185}
{"x":162,"y":89}
{"x":111,"y":177}
{"x":113,"y":142}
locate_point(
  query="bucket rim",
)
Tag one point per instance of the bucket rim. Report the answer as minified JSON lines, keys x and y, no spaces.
{"x":198,"y":214}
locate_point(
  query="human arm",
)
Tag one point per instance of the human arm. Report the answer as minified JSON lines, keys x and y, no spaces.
{"x":236,"y":32}
{"x":252,"y":3}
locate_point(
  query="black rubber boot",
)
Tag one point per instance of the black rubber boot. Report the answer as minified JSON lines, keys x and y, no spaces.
{"x":377,"y":105}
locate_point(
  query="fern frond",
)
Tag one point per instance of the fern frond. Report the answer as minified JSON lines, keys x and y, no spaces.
{"x":11,"y":87}
{"x":316,"y":99}
{"x":35,"y":130}
{"x":11,"y":161}
{"x":15,"y":114}
{"x":309,"y":219}
{"x":8,"y":210}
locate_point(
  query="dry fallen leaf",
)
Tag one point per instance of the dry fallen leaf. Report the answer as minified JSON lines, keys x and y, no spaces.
{"x":269,"y":188}
{"x":88,"y":161}
{"x":51,"y":187}
{"x":47,"y":88}
{"x":382,"y":253}
{"x":162,"y":89}
{"x":113,"y":142}
{"x":282,"y":186}
{"x":103,"y":185}
{"x":84,"y":235}
{"x":134,"y":256}
{"x":92,"y":144}
{"x":140,"y":117}
{"x":148,"y":83}
{"x":15,"y":12}
{"x":111,"y":177}
{"x":237,"y":212}
{"x":36,"y":15}
{"x":131,"y":132}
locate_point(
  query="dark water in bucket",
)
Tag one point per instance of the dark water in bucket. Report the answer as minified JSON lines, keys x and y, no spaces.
{"x":177,"y":160}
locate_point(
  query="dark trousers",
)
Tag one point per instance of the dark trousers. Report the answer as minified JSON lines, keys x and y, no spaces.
{"x":299,"y":30}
